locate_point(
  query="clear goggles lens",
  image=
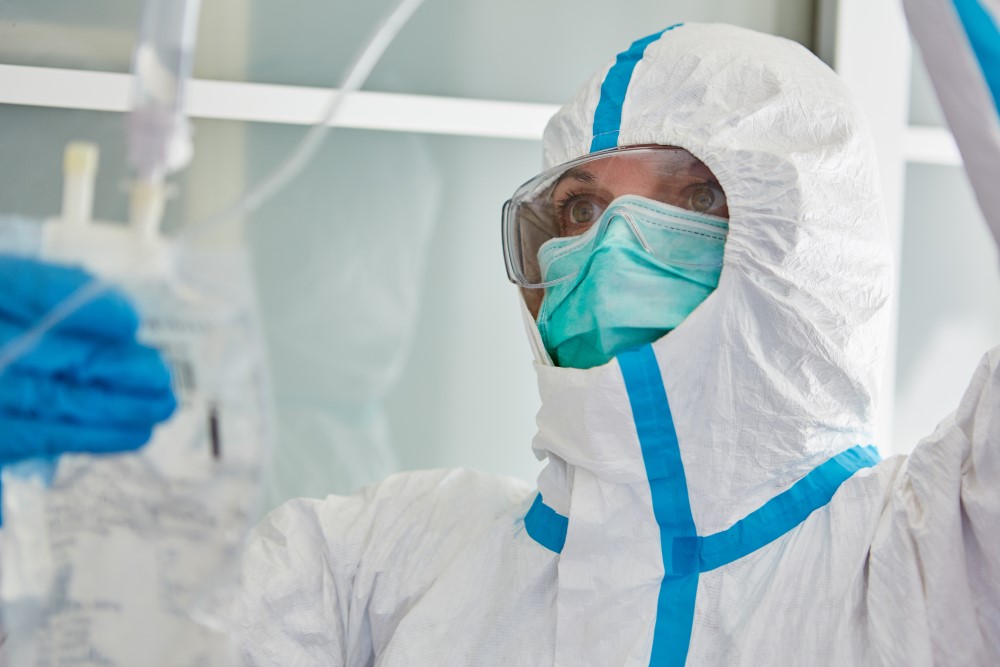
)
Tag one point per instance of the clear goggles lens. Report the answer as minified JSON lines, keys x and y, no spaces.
{"x":569,"y":200}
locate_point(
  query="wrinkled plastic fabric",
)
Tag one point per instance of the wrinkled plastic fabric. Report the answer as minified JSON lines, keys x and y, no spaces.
{"x":129,"y":559}
{"x":774,"y":374}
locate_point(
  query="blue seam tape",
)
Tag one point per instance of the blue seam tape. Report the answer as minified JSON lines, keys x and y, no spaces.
{"x":785,"y":511}
{"x":671,"y":507}
{"x":608,"y":114}
{"x":684,"y":553}
{"x":759,"y":528}
{"x":546,"y":526}
{"x":984,"y":37}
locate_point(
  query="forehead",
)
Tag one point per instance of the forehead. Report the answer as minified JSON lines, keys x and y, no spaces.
{"x":660,"y":163}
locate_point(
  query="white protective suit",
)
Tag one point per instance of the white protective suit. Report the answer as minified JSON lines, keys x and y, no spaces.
{"x":708,"y":499}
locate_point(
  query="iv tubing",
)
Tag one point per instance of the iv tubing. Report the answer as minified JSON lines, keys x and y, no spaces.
{"x":357,"y":74}
{"x":300,"y":156}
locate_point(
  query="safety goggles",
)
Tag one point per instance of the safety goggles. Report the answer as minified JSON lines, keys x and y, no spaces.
{"x":570,"y":199}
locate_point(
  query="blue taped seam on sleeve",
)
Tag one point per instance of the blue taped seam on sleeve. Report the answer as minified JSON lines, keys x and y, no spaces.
{"x":546,"y":526}
{"x":984,"y":37}
{"x":785,"y":511}
{"x":608,"y":114}
{"x":671,"y":507}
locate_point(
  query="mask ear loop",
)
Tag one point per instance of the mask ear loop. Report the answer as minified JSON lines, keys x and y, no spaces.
{"x":634,"y":226}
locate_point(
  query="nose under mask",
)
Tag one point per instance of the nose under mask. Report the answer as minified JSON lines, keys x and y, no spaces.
{"x":636,"y":274}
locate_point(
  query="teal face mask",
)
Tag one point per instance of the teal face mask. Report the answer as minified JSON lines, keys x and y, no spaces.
{"x":635,"y":275}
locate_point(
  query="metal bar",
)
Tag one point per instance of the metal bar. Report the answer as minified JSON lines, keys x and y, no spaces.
{"x":295,"y":105}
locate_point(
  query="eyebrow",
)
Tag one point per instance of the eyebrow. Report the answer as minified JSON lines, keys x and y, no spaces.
{"x":664,"y":171}
{"x":579,"y":174}
{"x":700,"y":172}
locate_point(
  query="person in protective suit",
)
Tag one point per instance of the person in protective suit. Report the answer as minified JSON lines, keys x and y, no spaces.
{"x":710,"y":495}
{"x":706,"y":275}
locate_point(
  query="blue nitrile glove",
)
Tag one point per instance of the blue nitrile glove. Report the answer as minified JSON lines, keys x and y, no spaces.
{"x":88,"y":385}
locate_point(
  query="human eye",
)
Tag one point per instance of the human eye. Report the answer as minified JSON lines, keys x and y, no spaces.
{"x":576,"y":212}
{"x":705,"y":197}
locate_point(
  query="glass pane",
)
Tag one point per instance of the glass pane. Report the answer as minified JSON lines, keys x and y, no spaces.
{"x":518,"y":50}
{"x":924,"y":107}
{"x":949,"y":299}
{"x":382,"y":279}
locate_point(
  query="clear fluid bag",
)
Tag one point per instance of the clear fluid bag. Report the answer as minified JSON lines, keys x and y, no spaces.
{"x":131,"y":559}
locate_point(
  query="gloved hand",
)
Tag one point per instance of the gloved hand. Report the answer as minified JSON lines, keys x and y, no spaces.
{"x":88,"y":385}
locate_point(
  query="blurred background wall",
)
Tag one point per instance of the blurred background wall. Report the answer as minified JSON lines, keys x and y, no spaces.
{"x":394,"y":336}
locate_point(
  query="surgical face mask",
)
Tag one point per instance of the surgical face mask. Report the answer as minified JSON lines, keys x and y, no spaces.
{"x":635,"y":276}
{"x":569,"y":199}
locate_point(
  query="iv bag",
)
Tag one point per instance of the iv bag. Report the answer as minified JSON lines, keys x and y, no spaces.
{"x":130,"y":559}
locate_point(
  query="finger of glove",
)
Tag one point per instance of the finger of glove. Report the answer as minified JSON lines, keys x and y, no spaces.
{"x":135,"y":367}
{"x":22,"y":438}
{"x":48,"y":398}
{"x":29,"y":289}
{"x":127,"y":364}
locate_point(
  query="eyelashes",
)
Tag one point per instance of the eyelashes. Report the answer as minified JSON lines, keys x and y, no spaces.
{"x":574,"y":210}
